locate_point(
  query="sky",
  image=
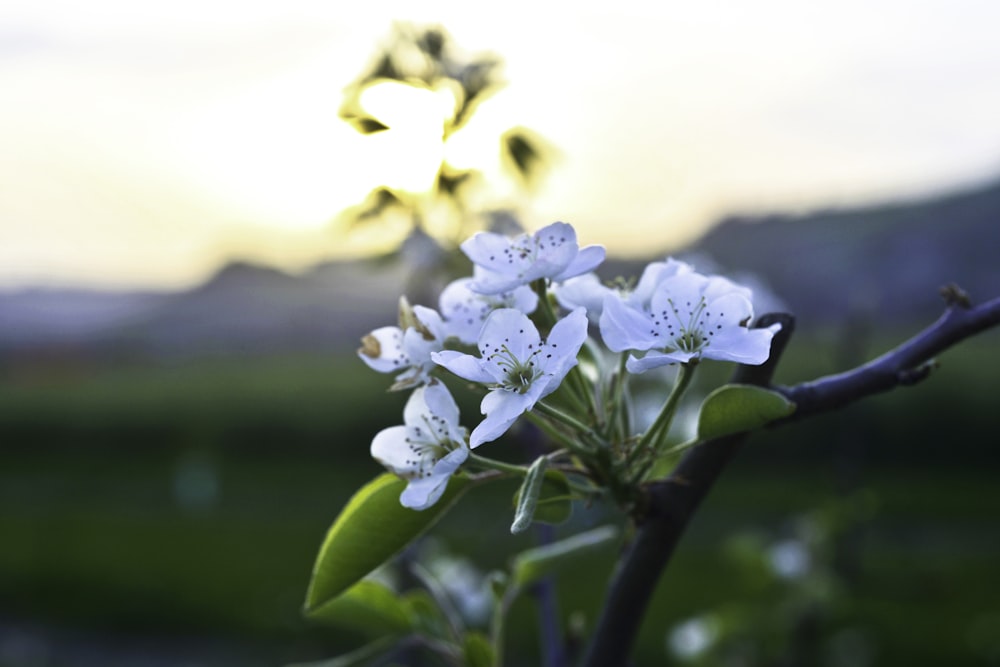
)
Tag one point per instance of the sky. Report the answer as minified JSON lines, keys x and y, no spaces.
{"x":145,"y":144}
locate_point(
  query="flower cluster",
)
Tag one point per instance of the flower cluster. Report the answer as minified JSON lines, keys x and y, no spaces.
{"x":502,"y":330}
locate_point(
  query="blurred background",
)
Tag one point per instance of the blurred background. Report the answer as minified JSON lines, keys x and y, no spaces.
{"x":203,"y":207}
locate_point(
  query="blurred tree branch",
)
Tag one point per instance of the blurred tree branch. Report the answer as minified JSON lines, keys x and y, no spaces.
{"x":428,"y":58}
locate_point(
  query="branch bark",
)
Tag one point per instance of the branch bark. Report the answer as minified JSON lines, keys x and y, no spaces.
{"x":672,"y":502}
{"x":906,"y":364}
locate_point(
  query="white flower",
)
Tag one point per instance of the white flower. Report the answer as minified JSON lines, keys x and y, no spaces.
{"x":551,"y":252}
{"x":517,"y":364}
{"x":405,"y":349}
{"x":653,"y":276}
{"x":427,"y":449}
{"x":588,"y":290}
{"x":465,"y":310}
{"x":689,"y":317}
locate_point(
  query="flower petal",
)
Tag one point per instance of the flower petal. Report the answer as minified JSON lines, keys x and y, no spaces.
{"x":422,"y":492}
{"x":493,"y":252}
{"x":551,"y":252}
{"x":564,"y":343}
{"x":655,"y":359}
{"x":625,"y":328}
{"x":440,"y":402}
{"x":464,"y":365}
{"x":745,"y":346}
{"x":654,"y":274}
{"x":383,"y":350}
{"x":489,"y":283}
{"x":586,"y":290}
{"x":390,"y":448}
{"x":587,"y":259}
{"x":511,"y":329}
{"x":719,"y":286}
{"x":464,"y":310}
{"x":502,"y":408}
{"x":557,"y":247}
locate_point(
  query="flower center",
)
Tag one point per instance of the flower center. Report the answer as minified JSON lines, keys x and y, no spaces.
{"x":518,"y":374}
{"x":429,"y":444}
{"x":687,"y":336}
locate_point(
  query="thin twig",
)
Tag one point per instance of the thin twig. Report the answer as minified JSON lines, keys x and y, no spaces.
{"x":905,"y":365}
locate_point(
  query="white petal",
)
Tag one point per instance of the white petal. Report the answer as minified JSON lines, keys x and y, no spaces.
{"x":391,"y":354}
{"x":557,"y":248}
{"x":415,"y":408}
{"x":654,"y":274}
{"x":586,"y":290}
{"x":727,"y":312}
{"x":625,"y":328}
{"x":493,"y":252}
{"x":502,"y":408}
{"x":563,"y":343}
{"x":439,"y":402}
{"x":587,"y":259}
{"x":464,"y":366}
{"x":745,"y":346}
{"x":418,"y":351}
{"x":655,"y":359}
{"x":523,"y":298}
{"x":493,"y":282}
{"x":682,"y":291}
{"x":431,"y":320}
{"x":510,"y":328}
{"x":464,"y":310}
{"x":389,"y":447}
{"x":422,"y":492}
{"x":718,"y":286}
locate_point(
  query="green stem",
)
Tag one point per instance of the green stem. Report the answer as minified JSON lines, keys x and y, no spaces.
{"x":577,"y":388}
{"x":493,"y":464}
{"x":616,"y":417}
{"x":658,"y":431}
{"x":497,"y":624}
{"x":586,"y":433}
{"x":555,"y":434}
{"x":583,"y":394}
{"x":544,"y":305}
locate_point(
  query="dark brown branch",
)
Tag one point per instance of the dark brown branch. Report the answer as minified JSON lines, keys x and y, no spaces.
{"x":672,"y":502}
{"x":905,"y":365}
{"x":670,"y":505}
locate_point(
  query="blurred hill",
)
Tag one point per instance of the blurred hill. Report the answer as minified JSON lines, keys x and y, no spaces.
{"x":244,"y":308}
{"x":885,"y":262}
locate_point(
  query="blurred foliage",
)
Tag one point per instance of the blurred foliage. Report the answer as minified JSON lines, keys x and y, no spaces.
{"x":428,"y":58}
{"x":191,"y":498}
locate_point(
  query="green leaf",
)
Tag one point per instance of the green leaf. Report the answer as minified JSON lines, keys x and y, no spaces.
{"x":531,"y":565}
{"x":735,"y":408}
{"x":555,"y":500}
{"x":477,"y":651}
{"x":371,"y":528}
{"x":428,"y":618}
{"x":355,"y":658}
{"x":527,"y":495}
{"x":369,"y":608}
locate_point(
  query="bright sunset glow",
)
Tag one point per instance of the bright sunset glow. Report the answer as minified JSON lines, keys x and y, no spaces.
{"x":147,"y":144}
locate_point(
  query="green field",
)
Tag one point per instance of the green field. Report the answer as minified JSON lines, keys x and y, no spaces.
{"x":188,"y":501}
